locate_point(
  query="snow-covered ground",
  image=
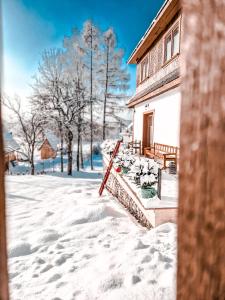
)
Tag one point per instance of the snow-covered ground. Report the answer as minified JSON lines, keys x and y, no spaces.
{"x":67,"y":243}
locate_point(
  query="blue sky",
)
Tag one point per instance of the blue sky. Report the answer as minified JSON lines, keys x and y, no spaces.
{"x":30,"y":26}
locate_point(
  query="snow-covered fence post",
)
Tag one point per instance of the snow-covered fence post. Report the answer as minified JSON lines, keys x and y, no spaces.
{"x":201,"y":221}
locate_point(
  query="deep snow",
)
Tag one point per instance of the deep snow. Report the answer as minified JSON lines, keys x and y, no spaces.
{"x":67,"y":243}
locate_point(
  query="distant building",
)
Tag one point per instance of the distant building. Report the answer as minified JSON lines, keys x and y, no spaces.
{"x":49,"y":147}
{"x":156,"y":103}
{"x":11,"y":149}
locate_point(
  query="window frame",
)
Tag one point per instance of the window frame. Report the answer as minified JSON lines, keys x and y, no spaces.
{"x":175,"y":28}
{"x":144,"y":69}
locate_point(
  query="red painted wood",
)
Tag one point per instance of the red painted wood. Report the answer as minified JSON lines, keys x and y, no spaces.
{"x":116,"y":149}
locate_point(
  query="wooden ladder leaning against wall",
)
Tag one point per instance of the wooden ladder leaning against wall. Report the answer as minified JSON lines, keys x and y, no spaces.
{"x":104,"y":181}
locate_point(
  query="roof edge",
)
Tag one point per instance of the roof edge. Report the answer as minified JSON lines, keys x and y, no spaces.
{"x":166,"y":5}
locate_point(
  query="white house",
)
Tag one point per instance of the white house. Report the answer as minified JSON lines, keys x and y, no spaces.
{"x":156,"y":102}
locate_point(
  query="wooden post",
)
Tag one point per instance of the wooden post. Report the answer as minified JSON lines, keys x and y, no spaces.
{"x":201,"y":215}
{"x":4,"y":292}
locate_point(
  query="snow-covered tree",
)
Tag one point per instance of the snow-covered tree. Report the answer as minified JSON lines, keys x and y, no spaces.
{"x":91,"y":39}
{"x":58,"y":95}
{"x":45,"y":98}
{"x":28,"y":125}
{"x":76,"y":70}
{"x":114,"y":77}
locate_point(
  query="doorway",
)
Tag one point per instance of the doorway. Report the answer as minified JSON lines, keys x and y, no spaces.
{"x":148,"y":122}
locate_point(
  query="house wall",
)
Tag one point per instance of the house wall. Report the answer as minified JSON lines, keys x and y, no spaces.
{"x":166,"y":126}
{"x":47,"y":151}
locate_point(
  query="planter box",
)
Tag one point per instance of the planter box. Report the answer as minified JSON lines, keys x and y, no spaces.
{"x":148,"y":212}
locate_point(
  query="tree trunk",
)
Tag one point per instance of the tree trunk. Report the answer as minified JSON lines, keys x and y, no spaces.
{"x":81,"y":153}
{"x":201,"y":221}
{"x":32,"y":161}
{"x":91,"y":102}
{"x":4,"y":293}
{"x":78,"y":149}
{"x":61,"y":149}
{"x":105,"y":94}
{"x":70,"y":154}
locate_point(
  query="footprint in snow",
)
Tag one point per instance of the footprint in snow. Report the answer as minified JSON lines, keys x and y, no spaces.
{"x":73,"y":269}
{"x":59,"y":246}
{"x":39,"y":261}
{"x":49,"y":213}
{"x":168,"y":266}
{"x":165,"y":258}
{"x":58,"y":285}
{"x":54,"y":278}
{"x":62,"y":259}
{"x":46,"y":268}
{"x":146,"y":259}
{"x":49,"y":236}
{"x":140,"y":246}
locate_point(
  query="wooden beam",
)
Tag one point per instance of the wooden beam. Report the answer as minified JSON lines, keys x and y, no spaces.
{"x":4,"y":292}
{"x":201,"y":220}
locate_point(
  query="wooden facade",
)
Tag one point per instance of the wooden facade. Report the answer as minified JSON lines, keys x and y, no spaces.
{"x":47,"y":151}
{"x":157,"y":56}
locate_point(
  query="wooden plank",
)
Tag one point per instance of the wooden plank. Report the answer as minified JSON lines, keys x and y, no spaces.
{"x":201,"y":219}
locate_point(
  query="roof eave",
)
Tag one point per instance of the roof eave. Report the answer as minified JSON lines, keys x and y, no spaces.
{"x":164,"y":16}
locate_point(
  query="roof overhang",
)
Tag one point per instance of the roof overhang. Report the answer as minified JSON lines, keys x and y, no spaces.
{"x":169,"y":9}
{"x":151,"y":94}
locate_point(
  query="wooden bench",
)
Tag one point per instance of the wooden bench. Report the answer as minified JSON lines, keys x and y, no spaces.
{"x":165,"y":152}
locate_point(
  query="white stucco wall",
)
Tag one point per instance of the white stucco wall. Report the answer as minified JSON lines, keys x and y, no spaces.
{"x":166,"y":109}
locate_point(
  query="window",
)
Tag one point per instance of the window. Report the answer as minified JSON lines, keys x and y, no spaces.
{"x":172,"y":44}
{"x":168,"y":53}
{"x":144,"y":69}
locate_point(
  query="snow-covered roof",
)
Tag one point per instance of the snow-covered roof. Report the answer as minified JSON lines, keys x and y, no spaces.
{"x":9,"y":143}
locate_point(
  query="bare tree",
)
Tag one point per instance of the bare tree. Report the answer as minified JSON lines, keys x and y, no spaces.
{"x":201,"y":222}
{"x":29,"y":128}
